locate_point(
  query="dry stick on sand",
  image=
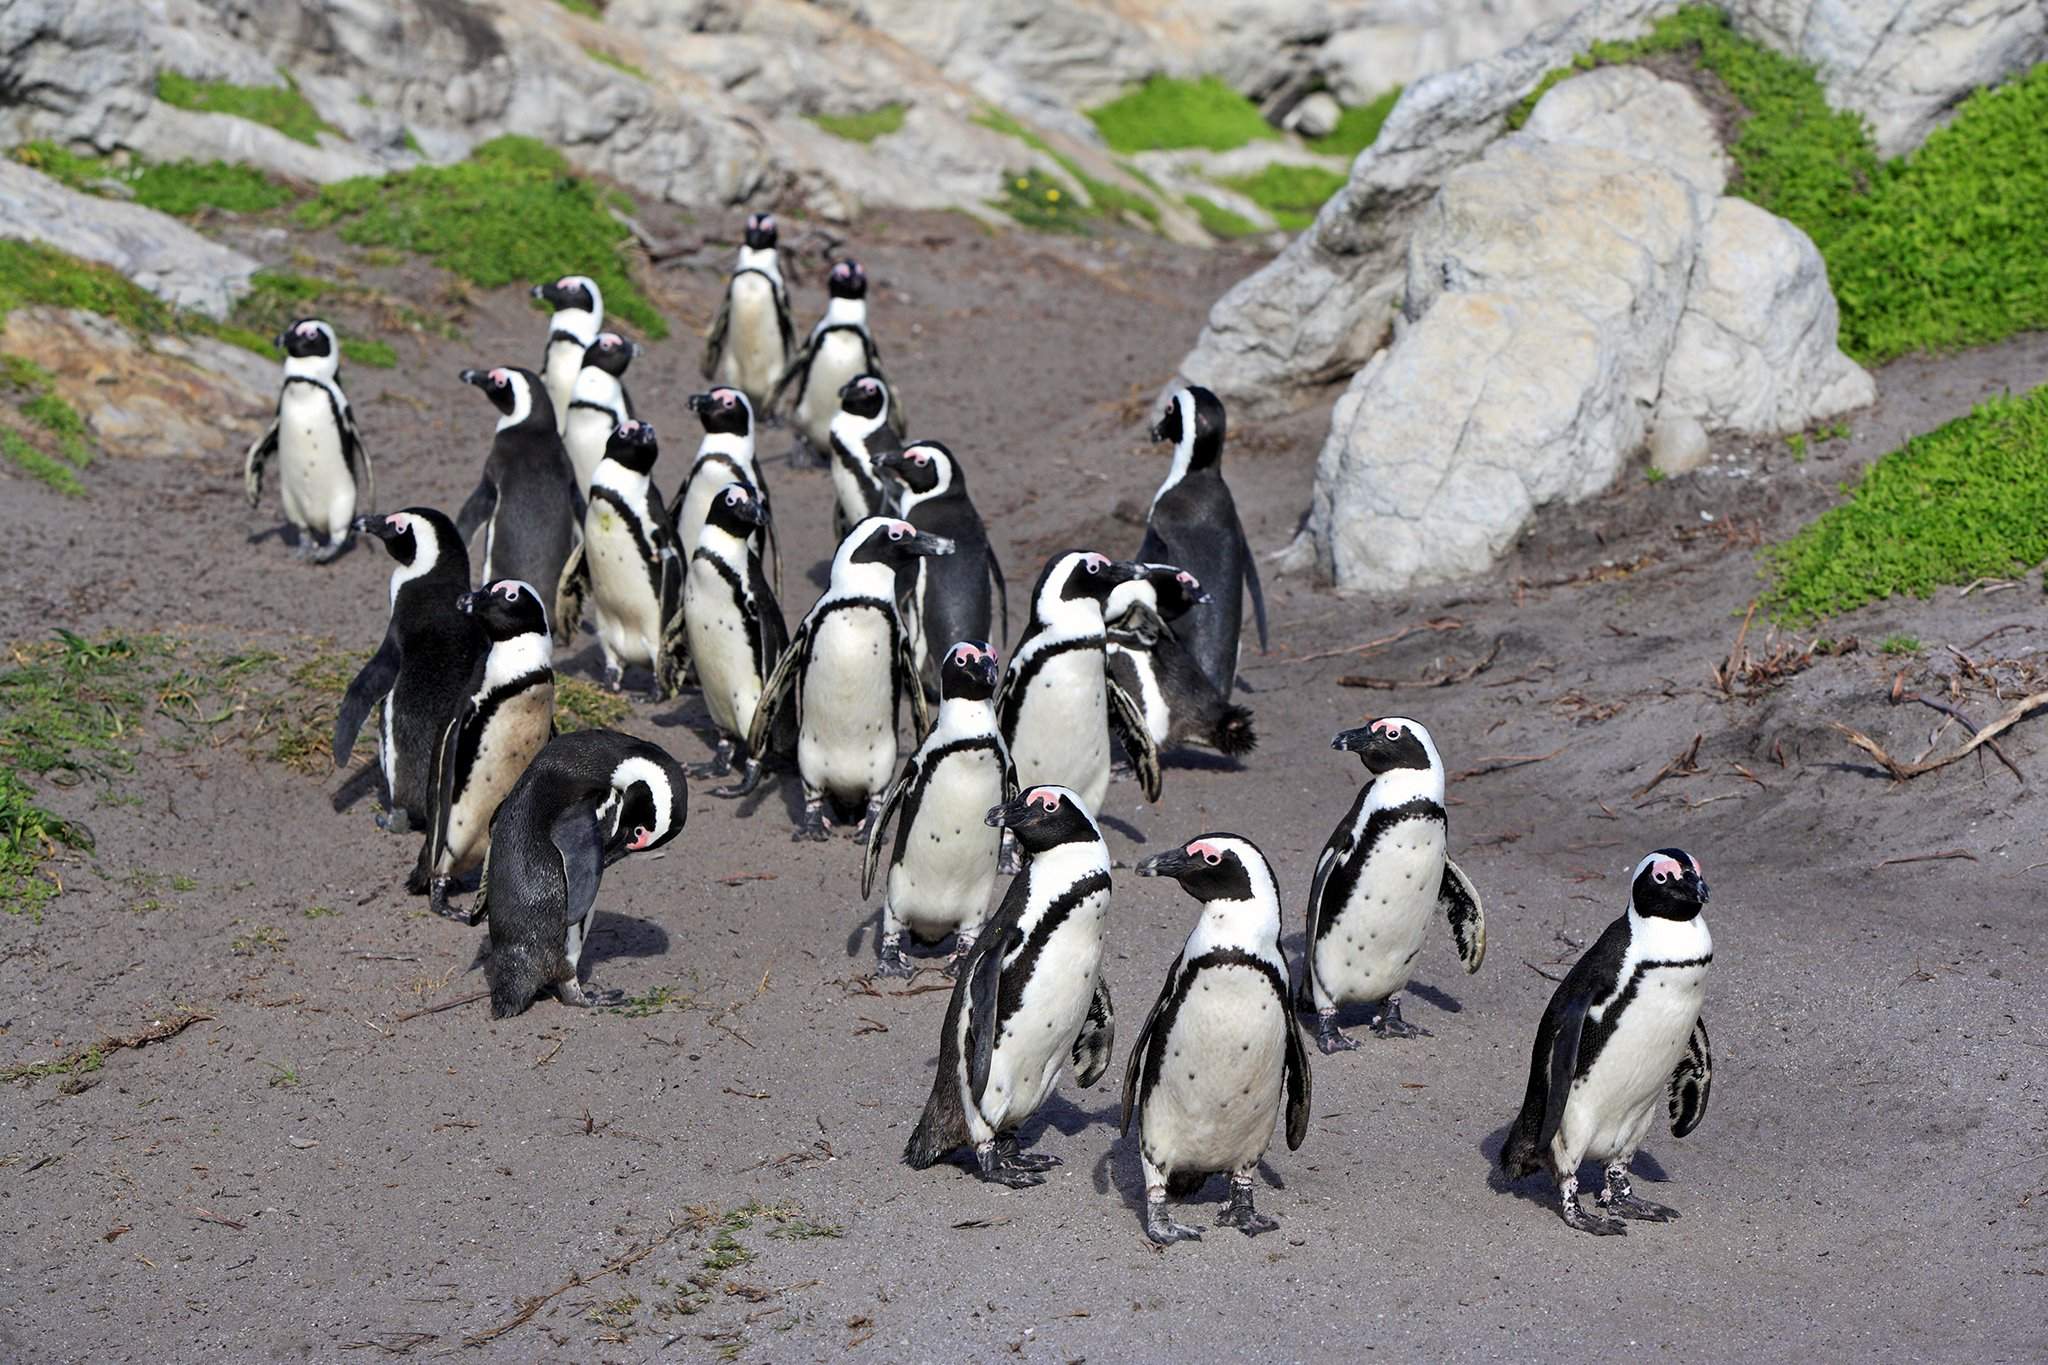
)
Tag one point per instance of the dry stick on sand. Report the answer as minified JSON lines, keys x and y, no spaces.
{"x":1441,"y":623}
{"x":1930,"y":857}
{"x":471,"y":998}
{"x":1685,"y":764}
{"x":1447,"y":680}
{"x":1903,"y":771}
{"x":1495,"y":763}
{"x":1901,"y":696}
{"x":157,"y":1032}
{"x":540,"y":1301}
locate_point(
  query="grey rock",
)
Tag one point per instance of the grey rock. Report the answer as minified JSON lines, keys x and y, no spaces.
{"x":1678,"y":445}
{"x":1316,"y":116}
{"x":1630,"y":110}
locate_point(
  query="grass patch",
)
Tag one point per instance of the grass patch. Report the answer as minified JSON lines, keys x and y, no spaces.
{"x":1220,"y":221}
{"x":511,"y":213}
{"x":181,"y":188}
{"x":615,"y":62}
{"x":275,"y":106}
{"x":1968,"y":500}
{"x":49,"y":445}
{"x":863,"y":127}
{"x":277,"y":298}
{"x":1899,"y":644}
{"x":1025,"y":197}
{"x":1169,"y":113}
{"x":1292,"y":194}
{"x":1358,"y":128}
{"x":31,"y":273}
{"x":1038,"y":201}
{"x":583,"y":705}
{"x":589,"y":9}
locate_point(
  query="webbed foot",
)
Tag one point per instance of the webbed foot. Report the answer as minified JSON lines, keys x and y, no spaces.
{"x":437,"y":899}
{"x":1390,"y":1024}
{"x":892,"y":962}
{"x":1241,"y":1215}
{"x":1329,"y":1038}
{"x":814,"y":826}
{"x":718,"y":765}
{"x":867,"y":822}
{"x":1162,"y":1229}
{"x":1619,"y":1199}
{"x":1576,"y":1217}
{"x":569,"y":993}
{"x":596,"y":995}
{"x":990,"y":1166}
{"x":614,"y":676}
{"x":395,"y":821}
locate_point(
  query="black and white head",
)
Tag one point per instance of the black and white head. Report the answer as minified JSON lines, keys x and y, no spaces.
{"x":736,"y":511}
{"x":507,"y":609}
{"x":927,"y":469}
{"x":724,"y":412}
{"x":865,"y":396}
{"x":633,"y":446}
{"x":887,"y":541}
{"x":1389,"y":744}
{"x":417,"y":538}
{"x":970,"y":671}
{"x":310,"y":348}
{"x":1193,"y":422}
{"x":517,"y":394}
{"x":761,"y":231}
{"x":648,"y":803}
{"x":611,"y":353}
{"x":1046,"y":817}
{"x":572,"y":294}
{"x":1077,"y":576}
{"x":846,"y":280}
{"x":1166,"y":590}
{"x":1234,"y":882}
{"x":1668,"y":884}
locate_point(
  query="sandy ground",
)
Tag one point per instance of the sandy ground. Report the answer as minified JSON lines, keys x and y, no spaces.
{"x":1870,"y":1180}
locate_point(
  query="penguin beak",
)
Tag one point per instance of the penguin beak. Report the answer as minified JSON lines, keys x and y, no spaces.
{"x":540,"y":291}
{"x":1363,"y":741}
{"x":1012,"y":813}
{"x":375,"y":526}
{"x":1201,"y":598}
{"x":476,"y":377}
{"x":922,"y":544}
{"x":1126,"y":571}
{"x":894,"y":463}
{"x":700,"y":402}
{"x":1174,"y":863}
{"x":466,"y":604}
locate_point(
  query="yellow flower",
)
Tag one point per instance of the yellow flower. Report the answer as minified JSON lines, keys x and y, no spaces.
{"x":1023,"y":184}
{"x":1052,"y":196}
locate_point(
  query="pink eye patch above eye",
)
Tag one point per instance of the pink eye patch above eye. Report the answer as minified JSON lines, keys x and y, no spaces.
{"x":1049,"y":800}
{"x":1389,"y":728}
{"x":1208,"y":853}
{"x":1666,"y":870}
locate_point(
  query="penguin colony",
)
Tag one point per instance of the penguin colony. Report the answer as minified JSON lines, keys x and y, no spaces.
{"x":1130,"y":656}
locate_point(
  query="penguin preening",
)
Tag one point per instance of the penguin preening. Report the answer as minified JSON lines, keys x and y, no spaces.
{"x":1622,"y":1029}
{"x":598,"y":403}
{"x":860,"y":437}
{"x":751,"y":341}
{"x":1029,"y":998}
{"x":1219,"y":1052}
{"x":324,"y":472}
{"x":1193,"y":523}
{"x":849,"y":671}
{"x":627,"y":565}
{"x":492,"y":738}
{"x":586,"y":801}
{"x":423,"y":669}
{"x":840,"y":348}
{"x":578,"y":318}
{"x":1147,"y":659}
{"x":947,"y":599}
{"x":736,"y":634}
{"x":1381,"y":877}
{"x":943,"y":864}
{"x":726,"y":454}
{"x":526,"y":500}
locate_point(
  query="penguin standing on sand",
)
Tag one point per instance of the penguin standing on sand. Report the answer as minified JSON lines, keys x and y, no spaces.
{"x":421,"y":673}
{"x":751,"y":340}
{"x":1147,"y":660}
{"x":587,"y":800}
{"x":579,"y":317}
{"x":1622,"y":1030}
{"x":944,"y":862}
{"x":948,"y":599}
{"x":725,"y":455}
{"x":1381,"y":877}
{"x":1194,"y":524}
{"x":598,"y":403}
{"x":1219,"y":1052}
{"x":324,"y":473}
{"x":736,"y":635}
{"x":849,"y":671}
{"x":1030,"y":997}
{"x":628,"y":567}
{"x":526,"y":500}
{"x":493,"y":737}
{"x":860,"y":438}
{"x":839,"y":349}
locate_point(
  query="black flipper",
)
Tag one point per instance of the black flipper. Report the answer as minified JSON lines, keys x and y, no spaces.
{"x":477,"y":508}
{"x":580,"y":841}
{"x":1564,"y":1061}
{"x":995,"y":573}
{"x":881,"y":821}
{"x":1134,"y":1070}
{"x":714,"y":340}
{"x":1461,"y":906}
{"x":570,"y":590}
{"x":1692,"y":1082}
{"x":1097,"y":1040}
{"x":259,"y":454}
{"x":371,"y":685}
{"x":1297,"y":1083}
{"x":1127,"y":718}
{"x":775,"y":691}
{"x":983,"y":989}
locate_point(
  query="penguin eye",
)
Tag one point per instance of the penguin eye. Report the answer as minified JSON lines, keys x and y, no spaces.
{"x":642,"y":836}
{"x":1660,"y":876}
{"x":1046,"y":799}
{"x":895,"y":533}
{"x":920,"y":457}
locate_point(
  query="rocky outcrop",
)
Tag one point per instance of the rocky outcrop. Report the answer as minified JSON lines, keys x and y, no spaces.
{"x":1395,"y":42}
{"x":1626,"y":109}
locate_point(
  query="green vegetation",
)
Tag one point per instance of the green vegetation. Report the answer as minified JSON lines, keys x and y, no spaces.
{"x":182,"y":188}
{"x":589,"y":9}
{"x":1166,"y":113}
{"x":1899,"y":644}
{"x":278,"y":297}
{"x":31,"y":273}
{"x":77,"y":1064}
{"x":49,"y":445}
{"x":1220,"y":221}
{"x":1039,"y":202}
{"x":275,"y":106}
{"x":582,"y":705}
{"x":511,"y":213}
{"x":282,"y":1074}
{"x":1965,"y":501}
{"x":862,"y":127}
{"x":1292,"y":194}
{"x":1358,"y":128}
{"x":618,"y":63}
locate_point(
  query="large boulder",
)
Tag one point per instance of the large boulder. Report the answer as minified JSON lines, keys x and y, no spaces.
{"x":1395,"y":42}
{"x":1627,"y":109}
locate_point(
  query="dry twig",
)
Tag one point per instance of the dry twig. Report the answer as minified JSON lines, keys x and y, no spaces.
{"x":1446,"y":680}
{"x":1686,"y":764}
{"x":1903,"y":771}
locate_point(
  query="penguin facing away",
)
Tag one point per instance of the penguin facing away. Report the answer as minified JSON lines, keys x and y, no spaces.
{"x":839,"y":348}
{"x":1381,"y":877}
{"x":586,"y":801}
{"x":1030,"y":997}
{"x":1622,"y":1030}
{"x":627,"y":565}
{"x":598,"y":402}
{"x":492,"y":738}
{"x":849,"y":671}
{"x":324,"y":472}
{"x":736,"y":635}
{"x":726,"y":454}
{"x":526,"y":500}
{"x":1147,"y":660}
{"x":947,"y":599}
{"x":1219,"y":1052}
{"x":860,"y":438}
{"x":578,"y":318}
{"x":751,"y":341}
{"x":943,"y":864}
{"x":1194,"y":524}
{"x":423,"y":670}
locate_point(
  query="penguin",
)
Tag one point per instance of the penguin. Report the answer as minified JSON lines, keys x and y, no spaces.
{"x":423,"y":670}
{"x":838,"y":349}
{"x":948,"y":598}
{"x":1622,"y":1027}
{"x":628,"y":566}
{"x":1220,"y":1050}
{"x":1030,"y":997}
{"x":579,"y":317}
{"x":1052,"y":704}
{"x":598,"y":402}
{"x":586,"y":801}
{"x":751,"y":340}
{"x":849,"y":671}
{"x":725,"y":455}
{"x":1147,"y":659}
{"x":943,"y":865}
{"x":1193,"y":523}
{"x":736,"y":635}
{"x":526,"y":500}
{"x":1378,"y":880}
{"x":324,"y":472}
{"x":860,"y":437}
{"x":499,"y":729}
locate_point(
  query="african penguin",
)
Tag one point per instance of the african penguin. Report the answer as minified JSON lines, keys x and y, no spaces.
{"x":839,"y":348}
{"x":1220,"y":1050}
{"x":1622,"y":1028}
{"x":725,"y":455}
{"x":948,"y":598}
{"x":324,"y":473}
{"x":1029,"y":998}
{"x":736,"y":634}
{"x":598,"y":403}
{"x":1379,"y":879}
{"x":628,"y":566}
{"x":585,"y":801}
{"x":1147,"y":659}
{"x":526,"y":500}
{"x":751,"y":340}
{"x":849,"y":671}
{"x":860,"y":437}
{"x":1194,"y":524}
{"x":579,"y":317}
{"x":498,"y":730}
{"x":944,"y":861}
{"x":422,"y":671}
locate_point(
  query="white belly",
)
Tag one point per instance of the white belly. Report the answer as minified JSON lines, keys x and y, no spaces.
{"x":847,"y":743}
{"x":1613,"y":1105}
{"x":719,"y":649}
{"x":515,"y":733}
{"x":627,"y":609}
{"x":1367,"y":952}
{"x":941,"y":884}
{"x":1037,"y":1040}
{"x":1219,"y":1084}
{"x":841,"y":357}
{"x":1063,"y":728}
{"x":564,"y":361}
{"x":318,"y":491}
{"x":588,"y":433}
{"x":753,"y":358}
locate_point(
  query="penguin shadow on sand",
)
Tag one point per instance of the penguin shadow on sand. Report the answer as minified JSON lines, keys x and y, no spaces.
{"x":295,"y":540}
{"x":1541,"y":1190}
{"x":1360,"y":1014}
{"x":688,"y":713}
{"x":366,"y":780}
{"x":1118,"y":1171}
